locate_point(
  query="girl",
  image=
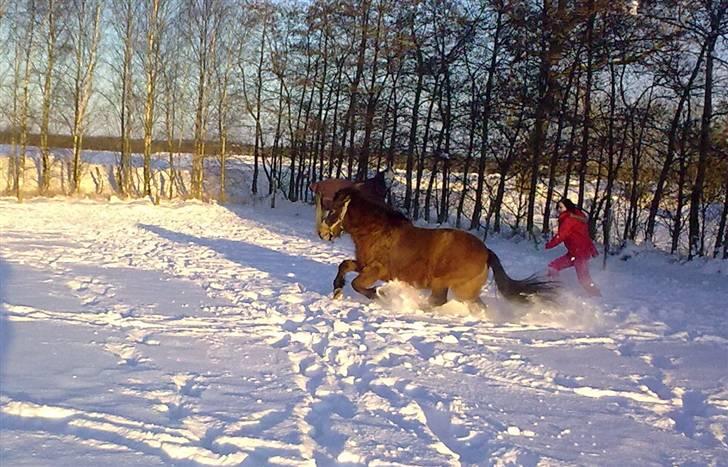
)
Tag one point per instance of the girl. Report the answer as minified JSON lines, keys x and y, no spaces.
{"x":574,"y":232}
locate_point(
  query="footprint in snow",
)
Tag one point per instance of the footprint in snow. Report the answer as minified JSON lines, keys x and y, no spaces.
{"x":188,"y":384}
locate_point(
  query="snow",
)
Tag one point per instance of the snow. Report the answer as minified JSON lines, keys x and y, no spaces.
{"x":198,"y":334}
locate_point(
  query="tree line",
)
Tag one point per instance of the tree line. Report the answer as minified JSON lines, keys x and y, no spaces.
{"x":620,"y":105}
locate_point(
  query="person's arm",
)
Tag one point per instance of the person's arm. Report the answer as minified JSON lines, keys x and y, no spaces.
{"x":564,"y":229}
{"x":555,"y":240}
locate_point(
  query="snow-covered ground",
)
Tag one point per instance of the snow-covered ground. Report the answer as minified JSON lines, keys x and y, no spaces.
{"x":194,"y":334}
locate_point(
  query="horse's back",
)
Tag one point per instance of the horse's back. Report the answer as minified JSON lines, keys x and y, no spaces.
{"x":464,"y":248}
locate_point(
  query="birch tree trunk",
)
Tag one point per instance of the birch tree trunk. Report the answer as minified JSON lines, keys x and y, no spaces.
{"x":85,"y":66}
{"x":151,"y":68}
{"x":25,"y":101}
{"x":51,"y":40}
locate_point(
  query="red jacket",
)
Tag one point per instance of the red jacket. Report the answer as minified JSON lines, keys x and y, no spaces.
{"x":574,"y":232}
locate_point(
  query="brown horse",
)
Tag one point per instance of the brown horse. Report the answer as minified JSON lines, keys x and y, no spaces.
{"x":388,"y":246}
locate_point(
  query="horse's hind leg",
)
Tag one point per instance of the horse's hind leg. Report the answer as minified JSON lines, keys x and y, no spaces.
{"x":477,"y":306}
{"x":339,"y":281}
{"x":438,"y":297}
{"x":469,"y":290}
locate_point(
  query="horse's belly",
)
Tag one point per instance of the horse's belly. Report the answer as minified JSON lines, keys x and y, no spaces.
{"x":413,"y":276}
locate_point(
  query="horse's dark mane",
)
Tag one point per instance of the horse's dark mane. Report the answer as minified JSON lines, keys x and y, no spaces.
{"x":374,"y":207}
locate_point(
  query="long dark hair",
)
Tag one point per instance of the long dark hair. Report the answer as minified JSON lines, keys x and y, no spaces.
{"x":570,"y":206}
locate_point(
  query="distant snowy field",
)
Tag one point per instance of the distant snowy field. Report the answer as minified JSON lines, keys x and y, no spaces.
{"x":195,"y":334}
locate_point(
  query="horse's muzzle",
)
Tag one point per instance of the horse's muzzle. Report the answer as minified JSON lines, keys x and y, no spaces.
{"x":324,"y":233}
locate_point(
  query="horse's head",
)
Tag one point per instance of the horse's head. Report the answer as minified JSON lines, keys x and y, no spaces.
{"x":333,"y":224}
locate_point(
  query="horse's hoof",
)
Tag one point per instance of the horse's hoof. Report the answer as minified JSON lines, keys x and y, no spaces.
{"x":338,"y":294}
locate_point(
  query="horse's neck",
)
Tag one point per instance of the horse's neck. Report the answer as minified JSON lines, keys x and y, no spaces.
{"x":362,"y":231}
{"x":363,"y":227}
{"x":373,"y":242}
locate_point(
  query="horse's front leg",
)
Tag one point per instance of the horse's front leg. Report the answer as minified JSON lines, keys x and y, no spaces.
{"x":363,"y":283}
{"x":339,"y":281}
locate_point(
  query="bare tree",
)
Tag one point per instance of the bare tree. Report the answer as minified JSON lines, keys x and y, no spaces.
{"x":154,"y":28}
{"x":419,"y":67}
{"x":555,"y":24}
{"x":672,"y":140}
{"x":724,"y":214}
{"x":14,"y":162}
{"x":52,"y":34}
{"x":374,"y":88}
{"x":204,"y":17}
{"x":716,"y":13}
{"x":574,"y":75}
{"x":254,"y":107}
{"x":487,"y":107}
{"x":125,"y":17}
{"x":350,"y":119}
{"x":684,"y":157}
{"x":85,"y":38}
{"x":24,"y":117}
{"x":172,"y":78}
{"x":223,"y":77}
{"x":586,"y":124}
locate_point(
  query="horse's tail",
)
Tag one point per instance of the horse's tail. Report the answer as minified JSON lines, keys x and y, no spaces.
{"x":520,"y":290}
